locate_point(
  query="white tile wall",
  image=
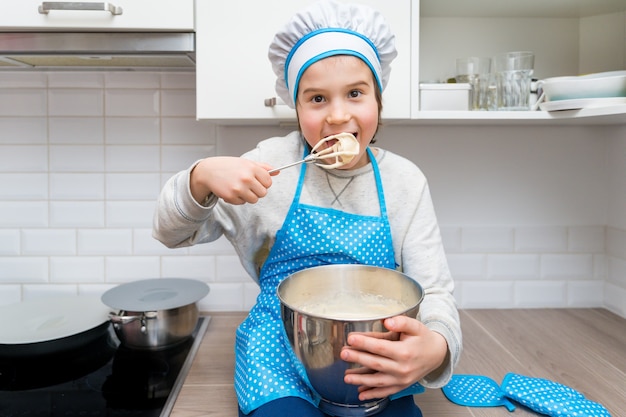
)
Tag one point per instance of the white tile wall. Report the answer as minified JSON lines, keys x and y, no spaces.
{"x":83,"y":157}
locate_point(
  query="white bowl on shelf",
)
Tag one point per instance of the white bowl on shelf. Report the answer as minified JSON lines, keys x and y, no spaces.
{"x":598,"y":85}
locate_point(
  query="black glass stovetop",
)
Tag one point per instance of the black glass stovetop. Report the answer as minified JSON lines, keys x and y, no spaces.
{"x":103,"y":379}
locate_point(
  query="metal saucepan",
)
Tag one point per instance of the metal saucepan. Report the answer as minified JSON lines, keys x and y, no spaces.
{"x":155,"y":313}
{"x":155,"y":329}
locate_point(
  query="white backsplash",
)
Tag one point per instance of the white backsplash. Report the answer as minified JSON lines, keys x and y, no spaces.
{"x":530,"y":216}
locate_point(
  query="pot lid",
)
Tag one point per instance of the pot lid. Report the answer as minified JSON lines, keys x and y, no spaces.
{"x":155,"y":294}
{"x":50,"y":318}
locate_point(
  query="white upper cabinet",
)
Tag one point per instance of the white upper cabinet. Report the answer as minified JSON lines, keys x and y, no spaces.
{"x":140,"y":15}
{"x":568,"y":37}
{"x":234,"y":75}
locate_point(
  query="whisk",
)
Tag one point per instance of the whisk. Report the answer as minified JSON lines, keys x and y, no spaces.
{"x":346,"y":148}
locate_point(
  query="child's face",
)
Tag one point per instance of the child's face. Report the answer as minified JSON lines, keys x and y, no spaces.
{"x":338,"y":94}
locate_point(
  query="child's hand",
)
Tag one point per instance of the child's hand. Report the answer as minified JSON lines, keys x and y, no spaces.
{"x":396,"y":364}
{"x":234,"y":180}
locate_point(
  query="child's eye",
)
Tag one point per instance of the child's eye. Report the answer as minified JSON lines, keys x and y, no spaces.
{"x":317,"y":99}
{"x":354,"y":93}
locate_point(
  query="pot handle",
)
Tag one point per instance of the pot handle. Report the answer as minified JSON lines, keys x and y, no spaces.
{"x":120,"y":319}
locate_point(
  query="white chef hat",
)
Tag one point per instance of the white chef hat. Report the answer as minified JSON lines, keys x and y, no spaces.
{"x":329,"y":28}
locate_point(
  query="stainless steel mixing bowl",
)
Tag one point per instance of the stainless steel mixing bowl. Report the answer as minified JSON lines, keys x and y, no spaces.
{"x":317,"y":338}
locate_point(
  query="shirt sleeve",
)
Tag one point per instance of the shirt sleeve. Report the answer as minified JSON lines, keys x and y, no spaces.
{"x":420,"y":254}
{"x":425,"y":259}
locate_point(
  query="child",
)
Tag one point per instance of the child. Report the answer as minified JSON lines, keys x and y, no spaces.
{"x":332,"y":61}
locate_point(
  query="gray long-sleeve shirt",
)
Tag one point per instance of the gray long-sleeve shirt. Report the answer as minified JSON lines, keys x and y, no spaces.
{"x":251,"y":228}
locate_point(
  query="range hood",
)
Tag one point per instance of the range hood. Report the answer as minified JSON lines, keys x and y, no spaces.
{"x":97,"y":50}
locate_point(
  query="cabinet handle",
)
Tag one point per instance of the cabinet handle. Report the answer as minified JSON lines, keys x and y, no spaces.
{"x":273,"y":101}
{"x":46,"y":6}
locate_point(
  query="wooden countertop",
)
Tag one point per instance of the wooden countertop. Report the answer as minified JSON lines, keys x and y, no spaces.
{"x":582,"y":348}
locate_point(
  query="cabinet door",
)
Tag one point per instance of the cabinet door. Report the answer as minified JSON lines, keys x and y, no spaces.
{"x":234,"y":75}
{"x":98,"y":15}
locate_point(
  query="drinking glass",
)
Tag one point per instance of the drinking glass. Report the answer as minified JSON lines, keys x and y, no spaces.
{"x":513,"y":71}
{"x":475,"y":71}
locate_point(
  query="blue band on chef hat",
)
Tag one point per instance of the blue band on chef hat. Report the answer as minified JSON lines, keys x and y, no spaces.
{"x":326,"y":42}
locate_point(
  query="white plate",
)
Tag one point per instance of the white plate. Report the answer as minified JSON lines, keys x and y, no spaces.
{"x":581,"y":103}
{"x":598,"y":85}
{"x":155,"y":294}
{"x":50,"y":319}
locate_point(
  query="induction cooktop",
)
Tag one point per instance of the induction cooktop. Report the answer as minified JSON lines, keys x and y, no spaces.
{"x":103,"y":379}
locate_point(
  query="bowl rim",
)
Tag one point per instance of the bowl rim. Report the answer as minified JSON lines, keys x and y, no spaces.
{"x":415,"y":305}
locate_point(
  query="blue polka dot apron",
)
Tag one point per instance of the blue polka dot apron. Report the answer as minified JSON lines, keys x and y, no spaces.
{"x":310,"y":236}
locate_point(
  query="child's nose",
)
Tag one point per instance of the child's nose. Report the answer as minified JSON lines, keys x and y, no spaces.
{"x":338,"y":113}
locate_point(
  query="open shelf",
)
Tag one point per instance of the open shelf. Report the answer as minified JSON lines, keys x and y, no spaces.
{"x":592,"y":116}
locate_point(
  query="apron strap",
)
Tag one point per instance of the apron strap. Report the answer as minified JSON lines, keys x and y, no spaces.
{"x":379,"y":184}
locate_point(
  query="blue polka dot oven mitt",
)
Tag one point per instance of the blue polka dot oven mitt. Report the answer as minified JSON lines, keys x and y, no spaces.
{"x":476,"y":391}
{"x":538,"y":394}
{"x":550,"y":398}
